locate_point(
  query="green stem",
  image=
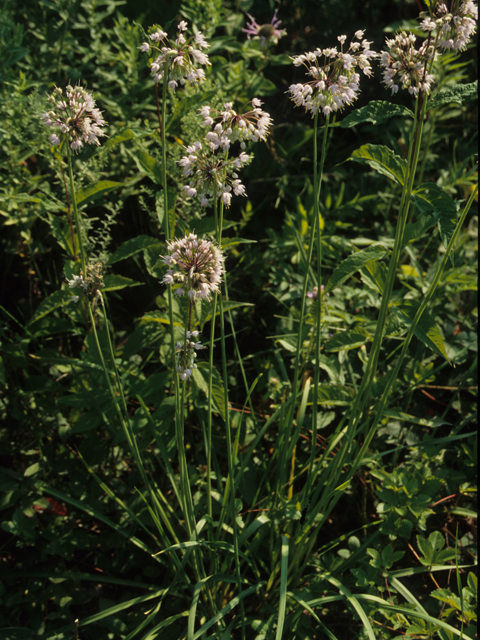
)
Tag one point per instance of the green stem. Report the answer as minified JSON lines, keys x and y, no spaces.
{"x":317,"y":186}
{"x":76,"y":215}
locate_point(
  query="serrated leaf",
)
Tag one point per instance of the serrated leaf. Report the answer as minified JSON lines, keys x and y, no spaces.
{"x":200,"y":376}
{"x":96,"y":190}
{"x":426,"y":330}
{"x":432,"y":200}
{"x":131,"y":247}
{"x":383,"y":160}
{"x":456,"y":93}
{"x":348,"y":340}
{"x":335,"y":394}
{"x":53,"y":301}
{"x":414,"y":230}
{"x":146,"y":164}
{"x":376,"y":111}
{"x":123,"y":136}
{"x":377,"y":272}
{"x":114,"y":282}
{"x":352,"y":264}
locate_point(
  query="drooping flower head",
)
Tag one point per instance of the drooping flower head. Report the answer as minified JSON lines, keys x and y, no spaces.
{"x":406,"y":66}
{"x":335,"y":80}
{"x":251,"y":124}
{"x":211,"y":174}
{"x":91,"y":284}
{"x":186,"y":355}
{"x":180,"y":56}
{"x":266,"y":32}
{"x":75,"y":117}
{"x":196,"y":265}
{"x":453,"y":28}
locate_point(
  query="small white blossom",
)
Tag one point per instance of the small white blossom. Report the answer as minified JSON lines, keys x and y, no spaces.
{"x":407,"y":66}
{"x":335,"y":83}
{"x":75,"y":117}
{"x":196,"y":264}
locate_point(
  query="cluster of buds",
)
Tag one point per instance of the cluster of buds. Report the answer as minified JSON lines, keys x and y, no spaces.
{"x":186,"y":355}
{"x":406,"y":65}
{"x":335,"y":80}
{"x":265,"y":32}
{"x":453,"y":28}
{"x":75,"y":117}
{"x":211,"y":175}
{"x":177,"y":58}
{"x":91,"y":283}
{"x":251,"y":124}
{"x":196,"y":265}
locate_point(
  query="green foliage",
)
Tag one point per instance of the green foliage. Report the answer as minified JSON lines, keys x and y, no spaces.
{"x":310,"y":529}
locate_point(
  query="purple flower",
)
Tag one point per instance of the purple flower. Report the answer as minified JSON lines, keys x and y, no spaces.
{"x":268,"y":32}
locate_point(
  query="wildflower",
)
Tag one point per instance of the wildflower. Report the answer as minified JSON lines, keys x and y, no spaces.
{"x":265,"y":32}
{"x":453,"y":28}
{"x":75,"y":116}
{"x":180,"y":56}
{"x":91,"y":283}
{"x":197,"y":264}
{"x":335,"y":80}
{"x":186,"y":355}
{"x":313,"y":295}
{"x":211,"y":174}
{"x":252,"y":123}
{"x":406,"y":65}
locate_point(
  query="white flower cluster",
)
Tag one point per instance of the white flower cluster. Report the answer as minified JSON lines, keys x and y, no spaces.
{"x":453,"y":28}
{"x":186,"y":355}
{"x":91,"y":283}
{"x":195,"y":264}
{"x":75,"y":116}
{"x":229,"y":126}
{"x":335,"y":80}
{"x":406,"y":65}
{"x":178,"y":56}
{"x":210,"y":174}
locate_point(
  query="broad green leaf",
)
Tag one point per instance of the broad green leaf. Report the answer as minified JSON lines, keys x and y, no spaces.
{"x":123,"y":136}
{"x":335,"y":394}
{"x":114,"y":282}
{"x":147,"y":164}
{"x":432,"y":200}
{"x":95,"y":190}
{"x":131,"y":247}
{"x":348,"y":340}
{"x":206,"y":226}
{"x":54,"y":301}
{"x":426,"y":330}
{"x":201,"y":376}
{"x":376,"y":111}
{"x":414,"y":230}
{"x":352,"y":264}
{"x":456,"y":93}
{"x":383,"y":160}
{"x":377,"y":272}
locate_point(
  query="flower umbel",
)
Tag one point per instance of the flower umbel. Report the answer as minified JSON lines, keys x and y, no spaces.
{"x":75,"y":117}
{"x":92,"y":282}
{"x":186,"y":354}
{"x":335,"y":80}
{"x":211,"y":174}
{"x":406,"y":65}
{"x":453,"y":28}
{"x":195,"y":264}
{"x":269,"y":32}
{"x":251,"y":124}
{"x":180,"y":56}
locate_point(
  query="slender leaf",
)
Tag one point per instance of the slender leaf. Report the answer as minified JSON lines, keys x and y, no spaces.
{"x":96,"y":190}
{"x":352,"y":264}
